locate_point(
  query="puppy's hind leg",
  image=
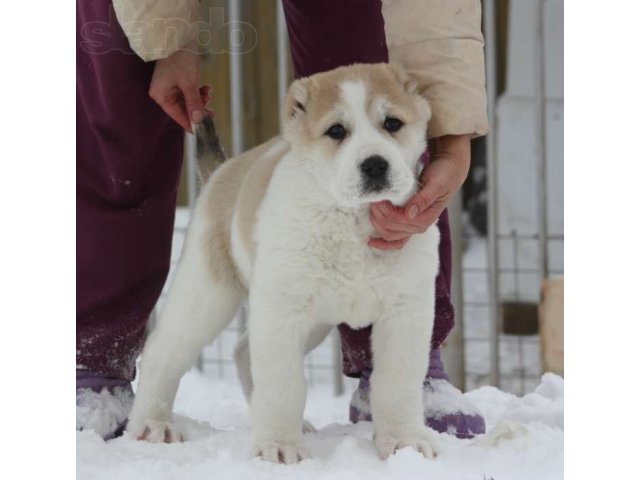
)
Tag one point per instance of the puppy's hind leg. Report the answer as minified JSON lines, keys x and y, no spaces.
{"x":242,"y":359}
{"x":200,"y":305}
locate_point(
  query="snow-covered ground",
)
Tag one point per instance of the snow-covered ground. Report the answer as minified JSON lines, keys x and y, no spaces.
{"x":525,"y":441}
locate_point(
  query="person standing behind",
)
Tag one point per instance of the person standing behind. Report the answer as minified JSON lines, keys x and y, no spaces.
{"x":131,"y":113}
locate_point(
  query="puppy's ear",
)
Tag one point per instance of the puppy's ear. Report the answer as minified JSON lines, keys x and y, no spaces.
{"x":409,"y":83}
{"x":295,"y":102}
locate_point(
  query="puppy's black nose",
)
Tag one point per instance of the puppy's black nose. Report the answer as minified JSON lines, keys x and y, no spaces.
{"x":374,"y":174}
{"x":374,"y":168}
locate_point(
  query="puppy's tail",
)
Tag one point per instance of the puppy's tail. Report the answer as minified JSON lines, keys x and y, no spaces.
{"x":209,"y":153}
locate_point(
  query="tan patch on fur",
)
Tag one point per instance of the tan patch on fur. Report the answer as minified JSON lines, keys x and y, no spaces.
{"x":308,"y":107}
{"x":251,"y":194}
{"x":220,"y":198}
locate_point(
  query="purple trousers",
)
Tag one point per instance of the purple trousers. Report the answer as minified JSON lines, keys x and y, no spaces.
{"x":330,"y":34}
{"x":128,"y":161}
{"x":129,"y":155}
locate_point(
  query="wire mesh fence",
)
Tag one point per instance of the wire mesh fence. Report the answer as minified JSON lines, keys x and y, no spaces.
{"x":519,"y":280}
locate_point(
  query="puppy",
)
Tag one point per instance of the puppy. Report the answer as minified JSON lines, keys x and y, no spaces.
{"x":286,"y":226}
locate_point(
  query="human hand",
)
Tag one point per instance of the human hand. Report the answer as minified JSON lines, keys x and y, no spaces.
{"x":441,"y":179}
{"x":175,"y":87}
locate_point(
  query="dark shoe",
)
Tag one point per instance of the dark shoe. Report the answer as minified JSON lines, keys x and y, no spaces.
{"x":446,"y":410}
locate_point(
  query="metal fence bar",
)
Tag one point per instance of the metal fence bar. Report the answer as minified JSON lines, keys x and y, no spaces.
{"x":283,"y":56}
{"x":235,"y":80}
{"x":192,"y":177}
{"x":336,"y":367}
{"x":237,"y":104}
{"x":541,"y":112}
{"x":453,"y":350}
{"x":489,"y":13}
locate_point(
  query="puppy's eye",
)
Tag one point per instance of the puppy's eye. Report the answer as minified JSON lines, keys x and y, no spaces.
{"x":392,"y":124}
{"x":337,"y":132}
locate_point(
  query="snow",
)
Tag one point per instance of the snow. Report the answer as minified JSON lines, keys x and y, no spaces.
{"x":443,"y":398}
{"x":525,"y":441}
{"x":102,"y":411}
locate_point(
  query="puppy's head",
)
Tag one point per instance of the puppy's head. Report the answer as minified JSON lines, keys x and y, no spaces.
{"x":360,"y":130}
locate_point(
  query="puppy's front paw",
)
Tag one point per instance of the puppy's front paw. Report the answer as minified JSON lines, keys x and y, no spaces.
{"x":156,"y":431}
{"x":387,"y":444}
{"x":280,"y":453}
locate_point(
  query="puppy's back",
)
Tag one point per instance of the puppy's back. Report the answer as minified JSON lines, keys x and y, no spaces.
{"x":236,"y":188}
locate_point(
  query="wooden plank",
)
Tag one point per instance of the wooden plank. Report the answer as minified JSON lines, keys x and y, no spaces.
{"x":267,"y":69}
{"x":552,"y":325}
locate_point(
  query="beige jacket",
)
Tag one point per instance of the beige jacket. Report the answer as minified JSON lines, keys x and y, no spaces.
{"x":441,"y":44}
{"x":438,"y":41}
{"x":157,"y":28}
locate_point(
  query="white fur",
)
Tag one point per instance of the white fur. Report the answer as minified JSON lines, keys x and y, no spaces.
{"x":313,"y":266}
{"x":312,"y":269}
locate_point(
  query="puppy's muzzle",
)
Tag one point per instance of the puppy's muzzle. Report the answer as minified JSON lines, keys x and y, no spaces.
{"x":374,"y":171}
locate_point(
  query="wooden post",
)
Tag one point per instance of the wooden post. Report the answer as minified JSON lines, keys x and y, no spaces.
{"x":552,"y":325}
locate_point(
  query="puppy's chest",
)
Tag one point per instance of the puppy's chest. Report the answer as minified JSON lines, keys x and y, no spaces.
{"x":352,"y":281}
{"x":337,"y":245}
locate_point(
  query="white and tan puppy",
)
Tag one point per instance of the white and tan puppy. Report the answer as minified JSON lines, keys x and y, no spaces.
{"x":286,"y":226}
